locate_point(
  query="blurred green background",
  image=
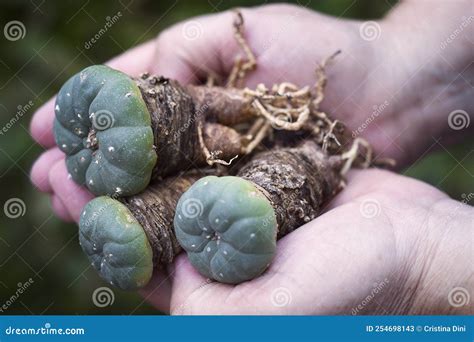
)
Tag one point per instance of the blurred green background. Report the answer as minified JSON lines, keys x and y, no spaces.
{"x":39,"y":246}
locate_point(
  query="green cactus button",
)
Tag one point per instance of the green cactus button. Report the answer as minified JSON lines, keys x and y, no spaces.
{"x":115,"y":243}
{"x":227,"y":227}
{"x":103,"y":126}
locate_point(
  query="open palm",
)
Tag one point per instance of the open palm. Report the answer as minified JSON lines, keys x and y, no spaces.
{"x":358,"y":257}
{"x":192,"y":50}
{"x":361,"y":246}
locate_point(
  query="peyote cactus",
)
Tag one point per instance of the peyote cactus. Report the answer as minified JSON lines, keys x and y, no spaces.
{"x":104,"y":127}
{"x":115,"y":243}
{"x":229,"y":225}
{"x":125,"y":239}
{"x":119,"y":132}
{"x":228,"y":228}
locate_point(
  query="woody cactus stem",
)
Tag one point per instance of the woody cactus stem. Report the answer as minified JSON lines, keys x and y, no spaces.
{"x":233,"y":237}
{"x":119,"y":132}
{"x":125,"y":239}
{"x":176,"y":113}
{"x":297,"y":181}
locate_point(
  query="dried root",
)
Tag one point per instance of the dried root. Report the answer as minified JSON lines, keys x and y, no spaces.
{"x":241,"y":67}
{"x":283,"y":107}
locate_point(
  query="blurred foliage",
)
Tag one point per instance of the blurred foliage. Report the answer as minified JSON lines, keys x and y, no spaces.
{"x":38,"y":245}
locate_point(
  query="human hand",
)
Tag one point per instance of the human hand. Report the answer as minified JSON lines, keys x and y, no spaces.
{"x":378,"y":249}
{"x":342,"y":241}
{"x":288,"y":41}
{"x":189,"y":56}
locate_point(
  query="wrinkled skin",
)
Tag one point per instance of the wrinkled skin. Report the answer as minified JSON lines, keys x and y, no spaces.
{"x":329,"y":265}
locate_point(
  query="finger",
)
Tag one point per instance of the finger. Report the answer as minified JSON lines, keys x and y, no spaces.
{"x":40,"y":171}
{"x":41,"y":125}
{"x":377,"y":182}
{"x":316,"y":241}
{"x":131,"y":62}
{"x":158,"y":291}
{"x":317,"y":270}
{"x":60,"y":209}
{"x":73,"y":196}
{"x":186,"y":282}
{"x":192,"y":50}
{"x":176,"y":54}
{"x":136,"y":60}
{"x":359,"y":183}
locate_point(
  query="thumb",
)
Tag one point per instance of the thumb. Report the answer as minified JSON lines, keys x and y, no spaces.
{"x":191,"y":50}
